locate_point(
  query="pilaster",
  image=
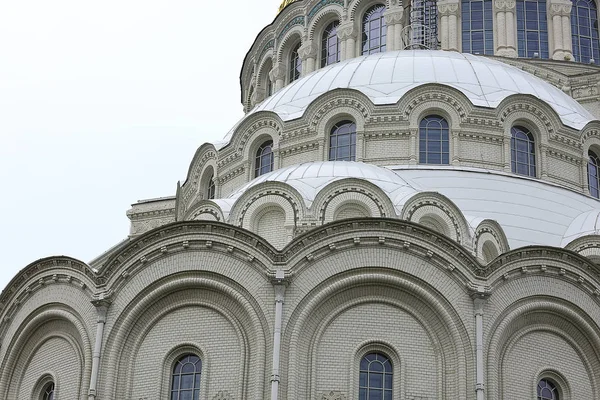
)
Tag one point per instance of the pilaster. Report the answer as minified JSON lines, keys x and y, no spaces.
{"x":505,"y":28}
{"x":393,"y":20}
{"x":277,"y":75}
{"x":448,"y":11}
{"x":347,"y":33}
{"x":559,"y":12}
{"x":308,"y":55}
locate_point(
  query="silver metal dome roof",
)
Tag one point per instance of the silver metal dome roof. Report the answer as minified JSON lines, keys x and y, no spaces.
{"x":386,"y":77}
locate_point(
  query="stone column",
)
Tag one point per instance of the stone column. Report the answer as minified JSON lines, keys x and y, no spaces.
{"x":277,"y":75}
{"x":448,"y":11}
{"x":393,"y":20}
{"x":101,"y":303}
{"x":505,"y":28}
{"x":308,"y":55}
{"x":347,"y":34}
{"x":479,"y":299}
{"x":560,"y":15}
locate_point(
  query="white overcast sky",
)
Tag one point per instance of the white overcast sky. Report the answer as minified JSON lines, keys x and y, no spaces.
{"x":103,"y":103}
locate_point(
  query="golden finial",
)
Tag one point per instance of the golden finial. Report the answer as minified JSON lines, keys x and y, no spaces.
{"x":285,"y":4}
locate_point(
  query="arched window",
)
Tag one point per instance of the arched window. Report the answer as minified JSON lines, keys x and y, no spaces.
{"x":374,"y":30}
{"x":295,"y":63}
{"x":532,"y":28}
{"x":264,"y":159}
{"x":594,"y":174}
{"x":547,"y":390}
{"x":375,"y":380}
{"x":522,"y":151}
{"x":584,"y":28}
{"x":342,"y":142}
{"x":434,"y":141}
{"x":477,"y":27}
{"x":186,"y":378}
{"x":48,"y":391}
{"x":330,"y":45}
{"x":210,"y":191}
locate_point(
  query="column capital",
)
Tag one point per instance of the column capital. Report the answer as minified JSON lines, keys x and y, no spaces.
{"x":307,"y":50}
{"x":560,"y":7}
{"x":505,"y":5}
{"x":347,"y":30}
{"x":393,"y":16}
{"x":448,"y":7}
{"x":277,"y":72}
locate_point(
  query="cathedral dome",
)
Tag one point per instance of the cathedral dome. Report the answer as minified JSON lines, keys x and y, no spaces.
{"x":385,"y":77}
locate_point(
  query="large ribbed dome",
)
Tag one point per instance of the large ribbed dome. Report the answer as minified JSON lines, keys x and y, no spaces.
{"x":386,"y":77}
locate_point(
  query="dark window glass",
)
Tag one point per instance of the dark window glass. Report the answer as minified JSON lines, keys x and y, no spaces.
{"x":584,"y":28}
{"x":264,"y":159}
{"x":295,"y":64}
{"x":186,"y":378}
{"x":342,"y":142}
{"x":423,"y":20}
{"x":330,"y":45}
{"x":48,"y":391}
{"x":375,"y":379}
{"x":593,"y":174}
{"x":434,"y":142}
{"x":477,"y":27}
{"x":210,"y":193}
{"x":532,"y":29}
{"x":547,"y":390}
{"x":374,"y":30}
{"x":522,"y":151}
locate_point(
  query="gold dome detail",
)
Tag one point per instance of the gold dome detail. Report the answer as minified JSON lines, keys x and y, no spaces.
{"x":284,"y":4}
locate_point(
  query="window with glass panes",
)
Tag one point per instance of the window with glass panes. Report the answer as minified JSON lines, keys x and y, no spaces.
{"x":434,"y":141}
{"x":374,"y":30}
{"x":264,"y":159}
{"x":342,"y":142}
{"x":376,"y":377}
{"x":185,"y":379}
{"x":532,"y":28}
{"x":584,"y":28}
{"x":547,"y":390}
{"x":522,"y":151}
{"x":295,"y":64}
{"x":477,"y":27}
{"x":593,"y":174}
{"x":330,"y":45}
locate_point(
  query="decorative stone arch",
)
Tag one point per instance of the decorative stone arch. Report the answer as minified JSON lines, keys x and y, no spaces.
{"x":250,"y":100}
{"x":20,"y":350}
{"x":212,"y":291}
{"x":207,"y":153}
{"x":590,"y":142}
{"x":437,"y":212}
{"x":587,"y":246}
{"x":355,"y":191}
{"x":489,"y":241}
{"x":342,"y":292}
{"x":263,"y":77}
{"x":331,"y":12}
{"x":209,"y":170}
{"x":286,"y":45}
{"x":45,"y":379}
{"x":178,"y":351}
{"x":541,"y":314}
{"x":564,"y":387}
{"x":357,"y":8}
{"x":431,"y":98}
{"x":205,"y":210}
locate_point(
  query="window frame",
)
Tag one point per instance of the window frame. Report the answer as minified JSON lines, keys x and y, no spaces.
{"x":368,"y":371}
{"x":525,"y":33}
{"x":335,"y":136}
{"x":196,"y":376}
{"x":423,"y":138}
{"x":382,"y":30}
{"x":576,"y":31}
{"x":330,"y":32}
{"x":532,"y":166}
{"x":470,"y":28}
{"x":294,"y":69}
{"x":259,"y":156}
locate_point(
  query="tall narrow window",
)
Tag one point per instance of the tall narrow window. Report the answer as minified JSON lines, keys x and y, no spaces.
{"x":434,"y":141}
{"x":374,"y":30}
{"x":584,"y":28}
{"x":477,"y":27}
{"x":532,"y":28}
{"x":547,"y":390}
{"x":210,"y":191}
{"x":342,"y":142}
{"x":330,"y":45}
{"x":48,"y":391}
{"x":186,"y":378}
{"x":593,"y":174}
{"x":522,"y":151}
{"x":295,"y":63}
{"x":375,"y":380}
{"x":264,"y":159}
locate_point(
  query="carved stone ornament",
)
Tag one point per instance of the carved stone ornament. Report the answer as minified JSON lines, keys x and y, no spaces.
{"x":347,"y":30}
{"x":393,"y":16}
{"x":562,"y":9}
{"x":308,"y":50}
{"x":222,"y":395}
{"x":446,"y":8}
{"x":333,"y":395}
{"x":278,"y":72}
{"x":505,"y":5}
